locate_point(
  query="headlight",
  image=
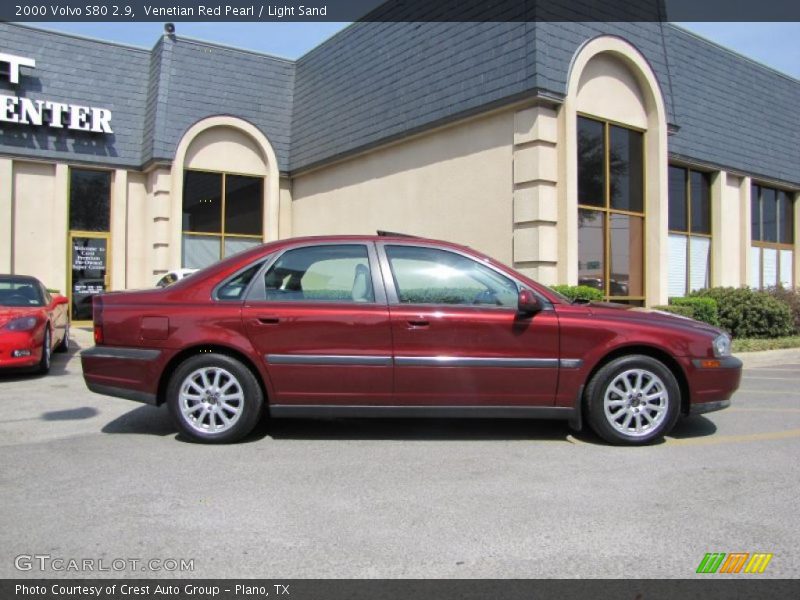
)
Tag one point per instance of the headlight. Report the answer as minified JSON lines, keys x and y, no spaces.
{"x":21,"y":324}
{"x":722,"y":345}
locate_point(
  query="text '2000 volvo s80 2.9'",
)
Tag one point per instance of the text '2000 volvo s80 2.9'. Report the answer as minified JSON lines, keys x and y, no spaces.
{"x":394,"y":326}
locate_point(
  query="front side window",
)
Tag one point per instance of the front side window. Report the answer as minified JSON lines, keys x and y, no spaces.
{"x":432,"y":276}
{"x":330,"y":273}
{"x":611,"y":209}
{"x":222,"y":215}
{"x":772,"y":232}
{"x":689,"y":230}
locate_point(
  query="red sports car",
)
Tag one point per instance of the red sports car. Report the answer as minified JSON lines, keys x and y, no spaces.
{"x":385,"y":326}
{"x":33,"y":323}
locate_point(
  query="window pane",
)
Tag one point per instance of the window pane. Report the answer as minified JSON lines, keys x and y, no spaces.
{"x":755,"y":267}
{"x":627,"y":169}
{"x":89,"y":200}
{"x":676,"y":274}
{"x":700,"y":267}
{"x":769,"y":277}
{"x":787,"y":264}
{"x":701,"y":202}
{"x":769,"y":215}
{"x":243,"y":205}
{"x":591,"y":162}
{"x":236,"y":245}
{"x":785,"y":218}
{"x":755,"y":213}
{"x":321,"y":274}
{"x":234,"y":289}
{"x":626,"y":269}
{"x":591,"y":241}
{"x":200,"y":251}
{"x":678,"y":217}
{"x":430,"y":276}
{"x":202,"y":202}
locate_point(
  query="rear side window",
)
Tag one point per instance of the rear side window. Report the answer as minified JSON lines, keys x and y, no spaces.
{"x":432,"y":276}
{"x":331,"y":273}
{"x":234,"y":288}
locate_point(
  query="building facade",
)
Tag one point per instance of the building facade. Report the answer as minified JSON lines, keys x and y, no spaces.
{"x":633,"y":157}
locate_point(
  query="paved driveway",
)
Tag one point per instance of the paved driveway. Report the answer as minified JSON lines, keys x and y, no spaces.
{"x":84,"y":476}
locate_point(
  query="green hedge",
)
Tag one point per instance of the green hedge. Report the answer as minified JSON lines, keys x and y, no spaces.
{"x":701,"y":308}
{"x":790,"y":297}
{"x":579,"y":292}
{"x":747,"y":313}
{"x":440,"y":296}
{"x":684,"y":311}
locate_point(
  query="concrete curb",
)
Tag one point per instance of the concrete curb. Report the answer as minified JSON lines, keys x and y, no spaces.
{"x":768,"y":358}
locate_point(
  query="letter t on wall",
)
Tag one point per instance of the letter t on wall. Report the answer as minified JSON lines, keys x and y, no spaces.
{"x":14,"y":63}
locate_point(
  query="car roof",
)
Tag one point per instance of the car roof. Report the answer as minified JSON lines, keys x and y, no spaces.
{"x":401,"y":238}
{"x":28,"y":278}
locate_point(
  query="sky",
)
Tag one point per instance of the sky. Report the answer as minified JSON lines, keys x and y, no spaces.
{"x":776,"y":45}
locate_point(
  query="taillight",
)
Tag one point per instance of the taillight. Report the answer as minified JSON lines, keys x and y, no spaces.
{"x":97,"y":318}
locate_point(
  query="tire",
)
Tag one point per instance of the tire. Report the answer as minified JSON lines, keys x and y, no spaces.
{"x":44,"y":363}
{"x":633,"y":400}
{"x":63,"y":345}
{"x":214,"y":399}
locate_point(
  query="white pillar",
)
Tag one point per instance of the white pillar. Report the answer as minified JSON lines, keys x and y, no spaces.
{"x":6,"y":214}
{"x":59,"y":229}
{"x":119,"y":217}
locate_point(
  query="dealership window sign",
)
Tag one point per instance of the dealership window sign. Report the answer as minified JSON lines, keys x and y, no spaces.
{"x":59,"y":115}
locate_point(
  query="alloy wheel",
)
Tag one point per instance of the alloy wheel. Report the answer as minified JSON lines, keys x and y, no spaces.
{"x":636,"y":402}
{"x":211,"y":400}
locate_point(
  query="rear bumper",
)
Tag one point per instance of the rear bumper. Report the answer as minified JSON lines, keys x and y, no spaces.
{"x":118,"y":392}
{"x":712,"y":383}
{"x":129,"y":373}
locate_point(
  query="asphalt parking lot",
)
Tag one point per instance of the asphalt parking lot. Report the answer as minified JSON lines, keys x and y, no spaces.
{"x":85,"y":476}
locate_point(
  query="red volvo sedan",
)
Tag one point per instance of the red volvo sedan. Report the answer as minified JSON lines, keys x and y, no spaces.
{"x":394,"y":326}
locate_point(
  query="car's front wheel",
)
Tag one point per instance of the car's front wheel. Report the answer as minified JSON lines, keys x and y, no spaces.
{"x":214,"y":398}
{"x":633,"y":400}
{"x":44,"y":361}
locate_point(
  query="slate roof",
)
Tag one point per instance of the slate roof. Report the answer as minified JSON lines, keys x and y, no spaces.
{"x":375,"y":82}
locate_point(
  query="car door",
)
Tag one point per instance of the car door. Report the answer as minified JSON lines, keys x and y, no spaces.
{"x":318,"y":316}
{"x":458,"y":337}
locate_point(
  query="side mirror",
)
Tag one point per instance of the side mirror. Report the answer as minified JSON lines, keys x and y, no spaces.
{"x":60,"y":300}
{"x":528,"y":302}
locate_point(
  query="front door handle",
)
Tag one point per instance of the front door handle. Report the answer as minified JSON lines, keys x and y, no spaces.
{"x":268,"y":319}
{"x":418,"y":323}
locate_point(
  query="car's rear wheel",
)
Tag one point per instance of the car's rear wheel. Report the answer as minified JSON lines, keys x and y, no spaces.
{"x":44,"y":362}
{"x":633,"y":400}
{"x":214,"y":398}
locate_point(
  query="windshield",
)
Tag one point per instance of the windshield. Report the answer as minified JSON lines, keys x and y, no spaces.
{"x":20,"y":292}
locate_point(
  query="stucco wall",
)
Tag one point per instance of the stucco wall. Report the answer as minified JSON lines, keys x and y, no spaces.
{"x":34,"y":208}
{"x":453,"y":184}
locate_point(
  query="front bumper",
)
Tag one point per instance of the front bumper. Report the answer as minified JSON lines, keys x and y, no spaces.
{"x":19,"y":340}
{"x":712,"y":382}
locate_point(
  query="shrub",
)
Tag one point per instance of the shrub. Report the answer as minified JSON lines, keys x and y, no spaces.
{"x":579,"y":292}
{"x":747,"y":313}
{"x":675,"y":309}
{"x":701,"y":308}
{"x":791,"y":297}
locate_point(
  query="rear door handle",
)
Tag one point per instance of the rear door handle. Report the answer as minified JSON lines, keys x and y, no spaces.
{"x":268,"y":319}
